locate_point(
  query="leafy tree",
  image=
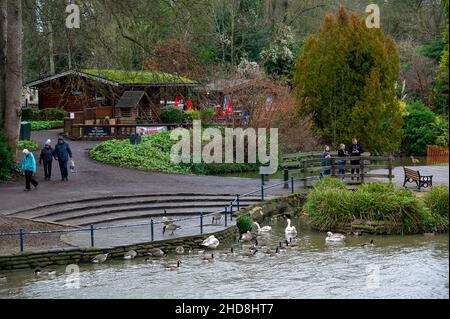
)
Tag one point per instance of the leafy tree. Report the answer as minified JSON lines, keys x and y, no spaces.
{"x":421,"y":128}
{"x":345,"y":79}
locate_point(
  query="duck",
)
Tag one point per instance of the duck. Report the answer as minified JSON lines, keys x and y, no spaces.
{"x":217,"y":218}
{"x":166,"y":220}
{"x":39,"y":272}
{"x":196,"y":251}
{"x":156,"y":252}
{"x":210,"y":259}
{"x":171,"y":227}
{"x":334,"y":238}
{"x":173,"y":267}
{"x":99,"y":259}
{"x":290,"y":230}
{"x":264,"y":229}
{"x":130,"y":255}
{"x":179,"y":250}
{"x":248,"y":236}
{"x":211,"y":242}
{"x":368,"y":245}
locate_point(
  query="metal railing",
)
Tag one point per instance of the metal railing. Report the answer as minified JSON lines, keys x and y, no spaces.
{"x":228,"y":211}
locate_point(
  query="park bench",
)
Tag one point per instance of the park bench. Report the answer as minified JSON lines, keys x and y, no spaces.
{"x":412,"y":176}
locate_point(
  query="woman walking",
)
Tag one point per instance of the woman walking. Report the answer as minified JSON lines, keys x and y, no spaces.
{"x":46,"y":157}
{"x":29,"y":167}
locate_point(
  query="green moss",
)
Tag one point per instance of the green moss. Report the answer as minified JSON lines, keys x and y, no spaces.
{"x":138,"y":77}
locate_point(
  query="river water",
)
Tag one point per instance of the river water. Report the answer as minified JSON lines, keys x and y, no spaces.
{"x":396,"y":267}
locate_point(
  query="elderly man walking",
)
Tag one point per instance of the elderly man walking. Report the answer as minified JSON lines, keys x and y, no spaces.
{"x":62,"y":154}
{"x":29,"y":167}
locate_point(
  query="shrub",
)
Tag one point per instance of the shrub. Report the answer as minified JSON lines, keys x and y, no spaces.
{"x":207,"y":115}
{"x":329,"y":182}
{"x":30,"y":145}
{"x":6,"y":158}
{"x":171,"y":115}
{"x":193,"y":115}
{"x":244,"y":224}
{"x":46,"y":125}
{"x":29,"y":114}
{"x":52,"y":114}
{"x":437,"y":200}
{"x":377,"y":187}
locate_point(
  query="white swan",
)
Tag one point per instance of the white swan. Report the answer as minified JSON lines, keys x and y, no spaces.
{"x":264,"y":229}
{"x":334,"y":238}
{"x":290,"y":230}
{"x":211,"y":242}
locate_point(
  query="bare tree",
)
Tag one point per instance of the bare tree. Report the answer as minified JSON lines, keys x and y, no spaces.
{"x":13,"y":83}
{"x":3,"y":6}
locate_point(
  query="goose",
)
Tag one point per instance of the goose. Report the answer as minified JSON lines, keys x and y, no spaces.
{"x":248,"y":236}
{"x":156,"y":252}
{"x":251,"y":252}
{"x":211,"y":242}
{"x":173,"y":267}
{"x":217,"y":218}
{"x":39,"y":272}
{"x":166,"y":220}
{"x":368,"y":245}
{"x":264,"y":229}
{"x":272,"y":253}
{"x":130,"y":255}
{"x":179,"y":250}
{"x":280,"y":246}
{"x":149,"y":260}
{"x":99,"y":259}
{"x":290,"y":230}
{"x":334,"y":238}
{"x":170,"y":227}
{"x":2,"y":278}
{"x":257,"y":246}
{"x":289,"y":246}
{"x":209,"y":259}
{"x":230,"y":253}
{"x":196,"y":251}
{"x":291,"y":243}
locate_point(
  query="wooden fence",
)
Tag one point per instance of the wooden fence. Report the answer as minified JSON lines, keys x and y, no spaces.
{"x":437,"y":155}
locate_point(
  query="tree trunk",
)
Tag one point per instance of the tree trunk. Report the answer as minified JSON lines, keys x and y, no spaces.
{"x":51,"y":48}
{"x":3,"y":6}
{"x":13,"y":85}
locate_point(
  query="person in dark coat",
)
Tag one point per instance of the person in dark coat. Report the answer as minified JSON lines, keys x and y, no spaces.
{"x":46,"y":158}
{"x":342,"y":152}
{"x":62,"y":154}
{"x":355,"y":149}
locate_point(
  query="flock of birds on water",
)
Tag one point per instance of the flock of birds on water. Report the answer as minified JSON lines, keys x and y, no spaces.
{"x":211,"y":243}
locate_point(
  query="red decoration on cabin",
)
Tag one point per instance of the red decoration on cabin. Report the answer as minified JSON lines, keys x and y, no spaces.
{"x":190,"y":106}
{"x":229,"y":107}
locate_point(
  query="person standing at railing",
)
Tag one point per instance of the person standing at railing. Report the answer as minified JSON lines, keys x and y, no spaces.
{"x":342,"y":152}
{"x":46,"y":158}
{"x":355,"y":149}
{"x":29,"y":168}
{"x":326,"y":154}
{"x":62,"y":153}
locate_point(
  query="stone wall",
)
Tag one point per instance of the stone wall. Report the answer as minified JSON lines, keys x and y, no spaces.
{"x":79,"y":255}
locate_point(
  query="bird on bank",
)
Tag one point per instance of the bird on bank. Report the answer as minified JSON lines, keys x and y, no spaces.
{"x":415,"y":161}
{"x":173,"y":267}
{"x":170,"y":227}
{"x":290,"y":230}
{"x":209,"y":259}
{"x":217,"y":218}
{"x":334,"y":238}
{"x":264,"y":229}
{"x":211,"y":242}
{"x":39,"y":272}
{"x":156,"y":252}
{"x":368,"y":245}
{"x":99,"y":259}
{"x":130,"y":255}
{"x":179,"y":250}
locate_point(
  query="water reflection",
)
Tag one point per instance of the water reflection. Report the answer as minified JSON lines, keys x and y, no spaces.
{"x":396,"y":267}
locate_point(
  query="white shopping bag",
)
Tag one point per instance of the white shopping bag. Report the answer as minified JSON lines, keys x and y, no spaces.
{"x":73,"y":168}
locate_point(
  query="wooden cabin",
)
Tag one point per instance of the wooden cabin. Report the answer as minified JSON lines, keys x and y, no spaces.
{"x":91,"y":95}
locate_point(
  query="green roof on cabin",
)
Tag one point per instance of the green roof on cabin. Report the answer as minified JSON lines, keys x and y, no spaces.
{"x":137,"y":77}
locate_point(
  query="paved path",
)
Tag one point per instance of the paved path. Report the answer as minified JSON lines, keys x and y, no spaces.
{"x":440,"y":174}
{"x":94,"y":178}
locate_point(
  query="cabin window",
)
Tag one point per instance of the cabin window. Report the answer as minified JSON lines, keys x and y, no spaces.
{"x":99,"y":97}
{"x":125,"y":112}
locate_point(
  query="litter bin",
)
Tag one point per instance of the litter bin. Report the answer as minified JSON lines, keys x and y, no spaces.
{"x":25,"y":131}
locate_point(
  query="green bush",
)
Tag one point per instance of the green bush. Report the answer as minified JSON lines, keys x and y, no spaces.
{"x":29,"y":145}
{"x":46,"y":125}
{"x":30,"y":114}
{"x":329,"y":182}
{"x":437,"y":200}
{"x":244,"y":224}
{"x":421,"y":128}
{"x":6,"y":158}
{"x":171,"y":115}
{"x":54,"y":114}
{"x":207,"y":115}
{"x":330,"y":206}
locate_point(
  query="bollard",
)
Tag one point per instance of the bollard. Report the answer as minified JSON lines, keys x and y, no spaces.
{"x":292,"y":185}
{"x":262,"y":193}
{"x":231,"y":208}
{"x":152,"y":229}
{"x":21,"y":240}
{"x":238,"y":201}
{"x":226,"y":213}
{"x":201,"y":223}
{"x":286,"y":178}
{"x":92,"y":235}
{"x":262,"y":180}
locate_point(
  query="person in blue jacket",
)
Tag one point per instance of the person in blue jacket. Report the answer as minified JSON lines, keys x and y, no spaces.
{"x":62,"y":154}
{"x":29,"y":167}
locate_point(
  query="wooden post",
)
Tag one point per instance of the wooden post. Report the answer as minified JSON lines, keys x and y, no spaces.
{"x":333,"y":169}
{"x":390,"y":169}
{"x":305,"y":174}
{"x":361,"y":170}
